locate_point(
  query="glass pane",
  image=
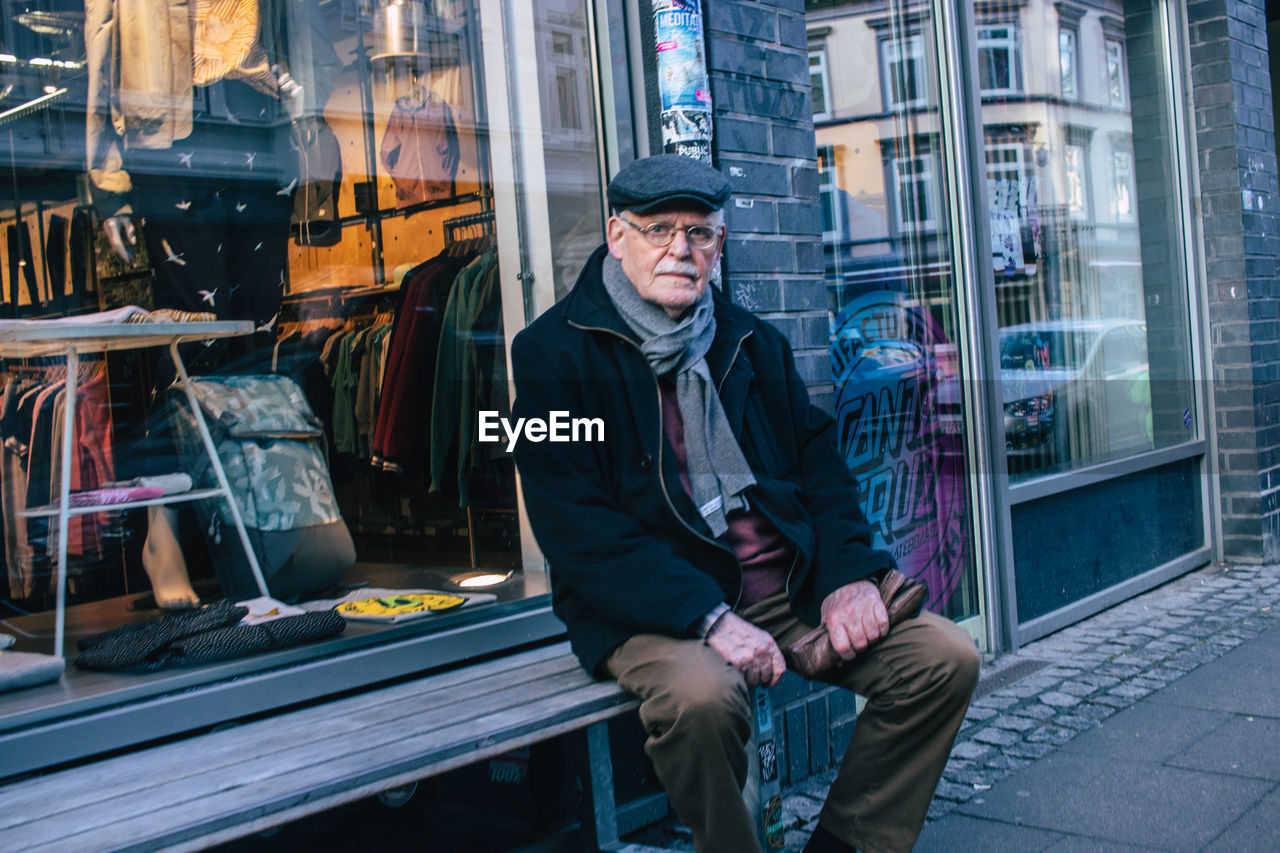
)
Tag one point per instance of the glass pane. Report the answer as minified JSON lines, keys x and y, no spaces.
{"x":569,"y":137}
{"x":1094,"y":340}
{"x":892,"y":292}
{"x":321,"y":172}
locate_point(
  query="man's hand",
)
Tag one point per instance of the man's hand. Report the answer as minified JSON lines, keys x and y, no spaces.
{"x":855,"y":618}
{"x":121,"y":236}
{"x":749,"y":649}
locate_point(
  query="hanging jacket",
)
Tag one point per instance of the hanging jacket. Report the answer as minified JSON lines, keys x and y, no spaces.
{"x":141,"y":70}
{"x":420,"y":149}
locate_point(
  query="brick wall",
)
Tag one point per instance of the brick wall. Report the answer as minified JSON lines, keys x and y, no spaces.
{"x":1236,"y":140}
{"x":758,"y":60}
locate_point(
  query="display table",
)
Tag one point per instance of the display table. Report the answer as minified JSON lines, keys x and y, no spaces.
{"x":72,"y":338}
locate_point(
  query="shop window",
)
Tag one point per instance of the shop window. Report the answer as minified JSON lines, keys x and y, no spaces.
{"x":1074,"y":325}
{"x":917,"y":199}
{"x":820,"y":86}
{"x":902,"y":69}
{"x":356,"y":224}
{"x":1122,"y":187}
{"x":998,"y":60}
{"x":1116,"y":75}
{"x":1068,"y":63}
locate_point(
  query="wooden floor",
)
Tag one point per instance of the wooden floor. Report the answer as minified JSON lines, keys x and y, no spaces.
{"x":226,"y":784}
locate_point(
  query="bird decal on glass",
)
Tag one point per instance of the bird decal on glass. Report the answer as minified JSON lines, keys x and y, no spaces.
{"x":170,"y":255}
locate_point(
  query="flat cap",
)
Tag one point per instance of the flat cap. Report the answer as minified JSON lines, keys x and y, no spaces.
{"x":666,"y":179}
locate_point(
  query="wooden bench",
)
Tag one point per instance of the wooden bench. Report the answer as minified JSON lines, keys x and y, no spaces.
{"x":229,"y":783}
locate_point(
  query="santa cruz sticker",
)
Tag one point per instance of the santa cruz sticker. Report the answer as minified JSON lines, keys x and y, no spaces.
{"x":899,"y":430}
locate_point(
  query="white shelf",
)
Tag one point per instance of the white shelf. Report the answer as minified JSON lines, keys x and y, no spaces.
{"x":52,"y":509}
{"x":32,"y":338}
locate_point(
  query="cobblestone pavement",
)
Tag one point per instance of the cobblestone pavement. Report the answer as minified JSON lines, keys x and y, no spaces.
{"x":1033,"y":701}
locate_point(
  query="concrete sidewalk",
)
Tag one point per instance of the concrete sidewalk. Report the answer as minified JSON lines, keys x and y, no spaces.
{"x":1154,"y":725}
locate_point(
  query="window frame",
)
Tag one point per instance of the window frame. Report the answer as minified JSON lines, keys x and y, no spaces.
{"x":923,"y":177}
{"x":915,"y":44}
{"x":1116,"y":72}
{"x":1071,"y":33}
{"x":1011,"y":44}
{"x":829,"y":194}
{"x":821,"y":71}
{"x":1082,"y":214}
{"x":1129,"y":186}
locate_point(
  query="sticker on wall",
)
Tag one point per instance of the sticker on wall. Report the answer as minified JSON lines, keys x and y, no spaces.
{"x":899,"y":430}
{"x":682,"y":78}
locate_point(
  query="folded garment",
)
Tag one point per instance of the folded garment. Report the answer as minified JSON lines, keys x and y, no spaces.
{"x":239,"y":641}
{"x":126,"y":314}
{"x":136,"y":645}
{"x":169,"y":484}
{"x":207,"y":635}
{"x":105,"y":497}
{"x":174,"y":315}
{"x":27,"y":669}
{"x":114,"y":317}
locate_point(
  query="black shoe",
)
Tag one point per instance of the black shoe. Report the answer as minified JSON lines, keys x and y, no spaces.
{"x":824,"y":842}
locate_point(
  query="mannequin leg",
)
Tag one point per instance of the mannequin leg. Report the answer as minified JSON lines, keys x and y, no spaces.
{"x":163,"y":561}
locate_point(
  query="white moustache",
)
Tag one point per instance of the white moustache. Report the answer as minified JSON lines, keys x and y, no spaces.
{"x":669,"y":267}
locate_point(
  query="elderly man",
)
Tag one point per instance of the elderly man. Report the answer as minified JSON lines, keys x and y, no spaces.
{"x":715,"y":524}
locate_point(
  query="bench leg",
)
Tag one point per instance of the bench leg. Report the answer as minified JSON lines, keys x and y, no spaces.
{"x":600,"y":818}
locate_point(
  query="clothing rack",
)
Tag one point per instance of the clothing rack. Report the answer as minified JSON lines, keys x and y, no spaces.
{"x":455,"y":224}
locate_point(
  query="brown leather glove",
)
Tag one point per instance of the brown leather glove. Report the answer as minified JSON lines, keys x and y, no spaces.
{"x":812,"y":654}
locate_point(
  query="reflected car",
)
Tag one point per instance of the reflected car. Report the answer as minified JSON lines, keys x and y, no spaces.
{"x":1075,"y":389}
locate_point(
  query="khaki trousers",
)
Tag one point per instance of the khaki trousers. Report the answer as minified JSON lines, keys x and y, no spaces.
{"x":695,"y":708}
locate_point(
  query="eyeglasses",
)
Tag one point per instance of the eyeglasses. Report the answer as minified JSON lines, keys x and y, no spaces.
{"x":662,"y":233}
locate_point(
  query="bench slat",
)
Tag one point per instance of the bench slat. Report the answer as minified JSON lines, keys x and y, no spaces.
{"x":290,"y":756}
{"x":327,"y":783}
{"x":405,"y":704}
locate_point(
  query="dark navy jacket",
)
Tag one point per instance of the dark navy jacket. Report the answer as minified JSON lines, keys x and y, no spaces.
{"x":627,"y":550}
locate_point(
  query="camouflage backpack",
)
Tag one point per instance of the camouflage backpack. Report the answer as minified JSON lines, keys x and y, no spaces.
{"x":272,"y":448}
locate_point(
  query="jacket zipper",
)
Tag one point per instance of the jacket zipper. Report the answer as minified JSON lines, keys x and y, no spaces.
{"x":662,"y":483}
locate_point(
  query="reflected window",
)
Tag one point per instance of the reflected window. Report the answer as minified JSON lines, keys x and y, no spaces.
{"x":998,"y":72}
{"x":819,"y":85}
{"x":1116,"y":89}
{"x":568,"y":103}
{"x":1068,"y":63}
{"x":1122,"y":189}
{"x":829,"y":193}
{"x":1004,"y":166}
{"x":1073,"y":171}
{"x":917,"y":199}
{"x":902,"y":67}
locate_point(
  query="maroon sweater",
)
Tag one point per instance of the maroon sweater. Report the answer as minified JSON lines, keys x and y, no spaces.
{"x":763,"y":552}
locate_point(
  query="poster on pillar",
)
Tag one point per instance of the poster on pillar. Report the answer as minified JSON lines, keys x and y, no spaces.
{"x":682,"y":78}
{"x":894,"y":372}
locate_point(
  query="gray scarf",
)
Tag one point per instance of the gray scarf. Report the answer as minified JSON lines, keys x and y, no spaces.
{"x":718,"y":471}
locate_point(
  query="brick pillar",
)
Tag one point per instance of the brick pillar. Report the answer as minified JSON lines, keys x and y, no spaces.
{"x":1235,"y":135}
{"x":758,"y":61}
